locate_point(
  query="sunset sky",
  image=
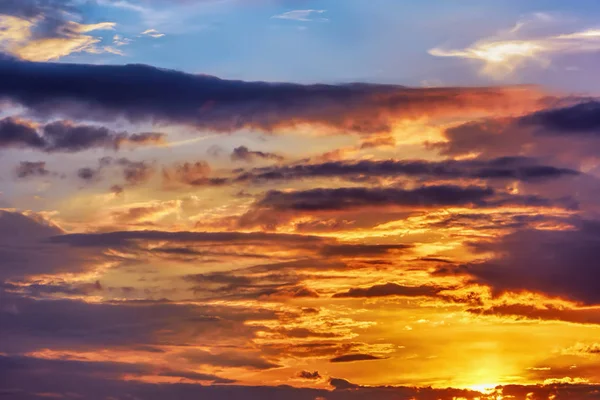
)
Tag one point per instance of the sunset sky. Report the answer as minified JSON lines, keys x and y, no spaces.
{"x":299,"y":200}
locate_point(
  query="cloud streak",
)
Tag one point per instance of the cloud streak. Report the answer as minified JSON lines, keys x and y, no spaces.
{"x":302,"y":15}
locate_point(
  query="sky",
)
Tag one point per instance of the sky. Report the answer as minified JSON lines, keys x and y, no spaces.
{"x":299,"y":199}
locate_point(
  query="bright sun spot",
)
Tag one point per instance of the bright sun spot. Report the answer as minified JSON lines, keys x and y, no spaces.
{"x":484,"y":387}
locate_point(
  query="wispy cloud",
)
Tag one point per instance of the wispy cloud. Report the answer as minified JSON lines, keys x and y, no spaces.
{"x":504,"y":53}
{"x":302,"y":15}
{"x":153,"y":33}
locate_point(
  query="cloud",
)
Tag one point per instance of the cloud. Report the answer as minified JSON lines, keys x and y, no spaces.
{"x":134,"y":172}
{"x":26,"y":251}
{"x":229,"y":359}
{"x":309,"y":375}
{"x":251,"y":283}
{"x":193,"y":174}
{"x":508,"y":168}
{"x":153,"y":33}
{"x":211,"y":103}
{"x":545,"y":312}
{"x":506,"y":52}
{"x":302,"y":15}
{"x":125,"y":238}
{"x":362,"y":250}
{"x":277,"y":207}
{"x":352,"y":198}
{"x":565,"y":133}
{"x":28,"y":169}
{"x":31,"y":377}
{"x":66,"y":136}
{"x":354,"y":357}
{"x":581,"y":119}
{"x":20,"y":38}
{"x":60,"y":324}
{"x":38,"y":366}
{"x":552,"y":262}
{"x":19,"y":133}
{"x":146,"y":213}
{"x":391,"y":289}
{"x":242,"y":153}
{"x":35,"y":8}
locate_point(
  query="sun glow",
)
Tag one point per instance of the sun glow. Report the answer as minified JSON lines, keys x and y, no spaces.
{"x":484,"y":387}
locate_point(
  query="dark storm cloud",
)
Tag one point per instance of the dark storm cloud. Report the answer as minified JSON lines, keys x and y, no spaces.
{"x":355,"y":357}
{"x":553,"y":262}
{"x":391,"y":289}
{"x":579,"y":119}
{"x":125,"y":238}
{"x":242,"y":153}
{"x":349,"y":198}
{"x":514,"y":168}
{"x":65,"y":136}
{"x":139,"y":92}
{"x":28,"y":169}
